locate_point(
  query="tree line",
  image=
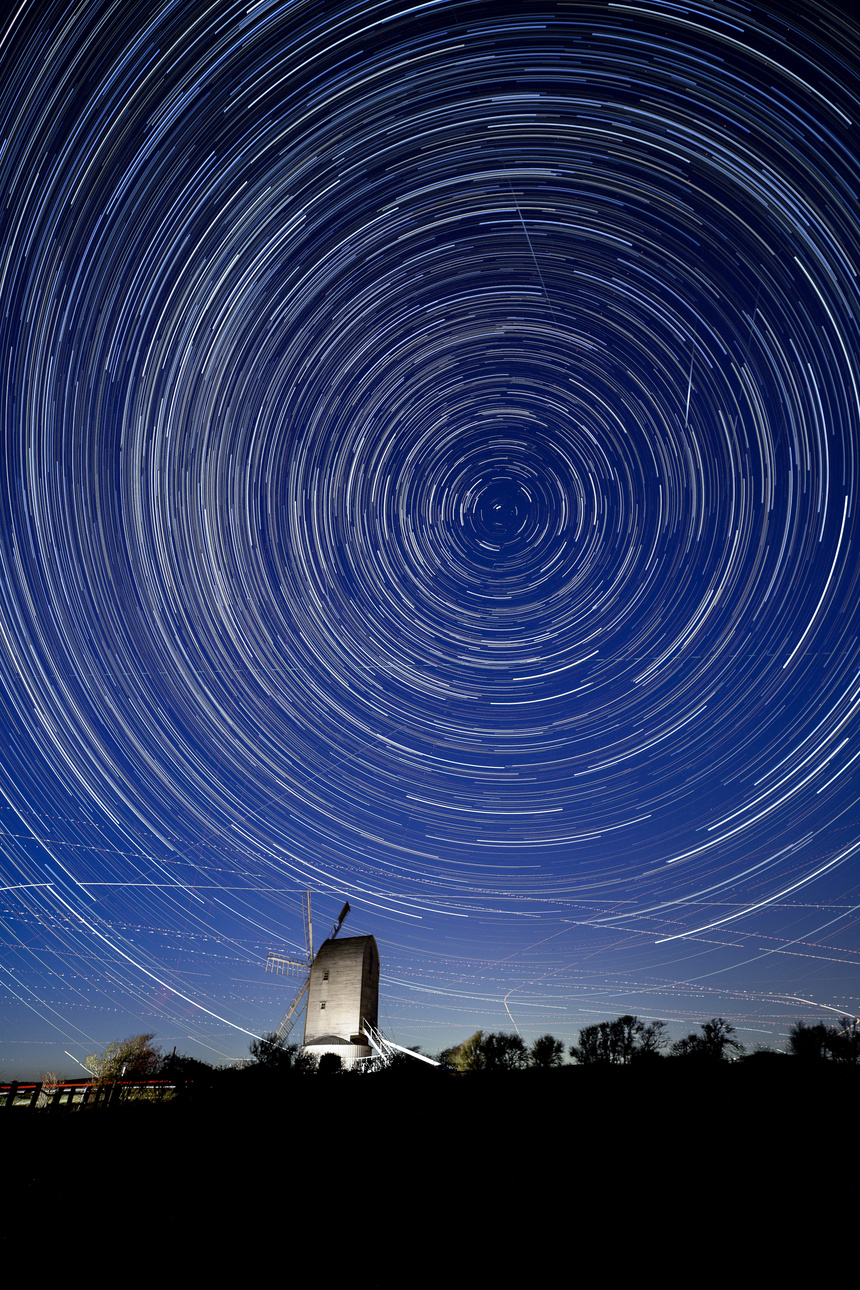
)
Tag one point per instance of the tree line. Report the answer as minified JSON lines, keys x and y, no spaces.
{"x":624,"y":1041}
{"x":627,"y":1040}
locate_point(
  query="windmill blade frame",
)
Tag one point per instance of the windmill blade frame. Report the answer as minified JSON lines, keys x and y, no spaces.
{"x":286,"y":965}
{"x":294,"y":1013}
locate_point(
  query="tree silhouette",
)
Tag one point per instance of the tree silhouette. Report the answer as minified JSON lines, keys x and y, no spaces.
{"x":716,"y":1043}
{"x":653,"y":1038}
{"x":844,"y":1041}
{"x":272,"y":1057}
{"x":178,"y":1069}
{"x":504,"y":1052}
{"x":497,"y":1051}
{"x":618,"y":1042}
{"x":546,"y":1052}
{"x":135,"y":1058}
{"x":809,"y":1043}
{"x":469,"y":1056}
{"x":590,"y":1051}
{"x":624,"y":1035}
{"x":330,"y":1064}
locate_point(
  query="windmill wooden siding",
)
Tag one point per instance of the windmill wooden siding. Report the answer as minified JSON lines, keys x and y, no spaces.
{"x":344,"y":977}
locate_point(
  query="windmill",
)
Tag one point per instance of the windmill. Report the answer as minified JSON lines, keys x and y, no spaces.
{"x":341,"y":986}
{"x":284,"y":965}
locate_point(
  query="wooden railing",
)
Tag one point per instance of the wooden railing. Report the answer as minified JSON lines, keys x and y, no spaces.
{"x":78,"y":1095}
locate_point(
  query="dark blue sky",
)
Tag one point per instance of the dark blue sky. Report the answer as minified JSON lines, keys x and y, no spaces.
{"x":430,"y":476}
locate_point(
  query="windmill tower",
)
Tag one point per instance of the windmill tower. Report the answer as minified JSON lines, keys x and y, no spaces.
{"x":343,"y":998}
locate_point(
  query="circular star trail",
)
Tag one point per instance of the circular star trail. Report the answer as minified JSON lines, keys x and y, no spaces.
{"x":430,"y":476}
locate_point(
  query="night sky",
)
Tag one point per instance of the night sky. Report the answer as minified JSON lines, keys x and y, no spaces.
{"x":429,"y":477}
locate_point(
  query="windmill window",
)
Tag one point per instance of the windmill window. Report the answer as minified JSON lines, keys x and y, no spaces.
{"x":322,"y":1006}
{"x":325,"y":976}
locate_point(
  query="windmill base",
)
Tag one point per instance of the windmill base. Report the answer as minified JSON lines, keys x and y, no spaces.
{"x":349,"y":1054}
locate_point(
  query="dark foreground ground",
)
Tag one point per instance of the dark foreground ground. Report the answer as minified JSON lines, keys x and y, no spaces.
{"x":528,"y":1179}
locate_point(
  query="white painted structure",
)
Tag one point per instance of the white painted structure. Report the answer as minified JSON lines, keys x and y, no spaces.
{"x":343,"y":998}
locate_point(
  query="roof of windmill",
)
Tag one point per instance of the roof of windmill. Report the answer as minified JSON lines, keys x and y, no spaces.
{"x":345,"y":940}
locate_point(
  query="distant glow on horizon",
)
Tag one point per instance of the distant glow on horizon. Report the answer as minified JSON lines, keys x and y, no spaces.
{"x":430,"y":477}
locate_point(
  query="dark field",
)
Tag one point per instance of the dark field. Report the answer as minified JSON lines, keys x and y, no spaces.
{"x":426,"y":1179}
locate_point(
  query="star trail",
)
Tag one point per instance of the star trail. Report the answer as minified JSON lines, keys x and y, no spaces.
{"x":430,"y":477}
